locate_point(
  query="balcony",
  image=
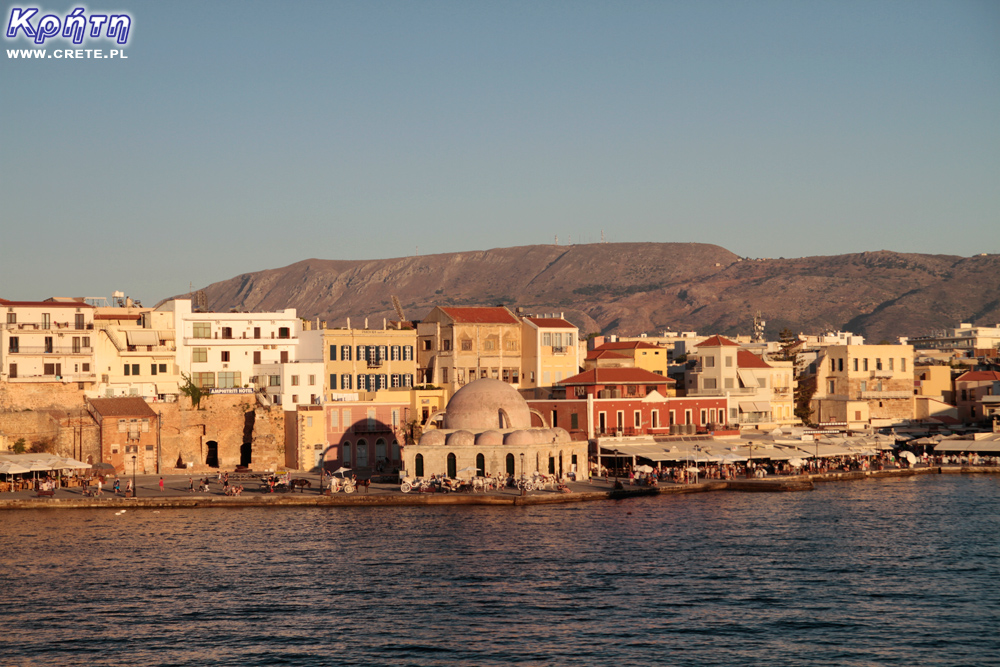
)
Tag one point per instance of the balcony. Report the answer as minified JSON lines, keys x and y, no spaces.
{"x":737,"y":391}
{"x":374,"y":363}
{"x":51,"y":326}
{"x":885,"y":394}
{"x":55,"y":350}
{"x":559,"y":349}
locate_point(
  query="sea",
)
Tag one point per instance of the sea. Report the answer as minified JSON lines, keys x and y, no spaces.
{"x":902,"y":571}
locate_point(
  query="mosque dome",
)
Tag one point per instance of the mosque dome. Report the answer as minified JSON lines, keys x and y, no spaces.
{"x":562,"y":435}
{"x":487,"y":404}
{"x":432,"y":438}
{"x":461,"y":439}
{"x":522,"y":438}
{"x":491,"y":438}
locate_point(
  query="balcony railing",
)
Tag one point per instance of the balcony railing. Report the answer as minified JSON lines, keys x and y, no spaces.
{"x":558,"y":349}
{"x":55,"y":350}
{"x":51,"y":326}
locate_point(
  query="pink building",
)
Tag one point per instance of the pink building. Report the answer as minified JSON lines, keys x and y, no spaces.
{"x":364,"y":436}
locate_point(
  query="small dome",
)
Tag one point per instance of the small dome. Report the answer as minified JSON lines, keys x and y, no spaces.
{"x":432,"y":438}
{"x":562,"y":435}
{"x":521,"y":438}
{"x":461,"y":439}
{"x":487,"y":404}
{"x":489,"y":439}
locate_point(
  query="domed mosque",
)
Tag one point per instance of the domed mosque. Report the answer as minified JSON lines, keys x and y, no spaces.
{"x":487,"y":431}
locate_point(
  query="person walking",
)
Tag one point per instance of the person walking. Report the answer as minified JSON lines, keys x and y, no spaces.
{"x":100,"y":486}
{"x":161,"y":485}
{"x":117,"y":485}
{"x":190,"y":484}
{"x":128,"y":488}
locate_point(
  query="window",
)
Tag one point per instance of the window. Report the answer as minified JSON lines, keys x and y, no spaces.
{"x":709,"y":362}
{"x":256,"y":356}
{"x":128,"y":369}
{"x":833,"y":365}
{"x":333,"y":380}
{"x":76,"y":345}
{"x":655,"y":418}
{"x":345,"y":381}
{"x":864,"y":386}
{"x":704,"y":416}
{"x":728,"y":382}
{"x":574,"y":421}
{"x":312,"y":380}
{"x":283,"y":332}
{"x":229,"y":380}
{"x":855,"y":364}
{"x":466,"y":344}
{"x":274,"y":380}
{"x":199,"y":355}
{"x":511,"y":345}
{"x":427,"y":344}
{"x":345,"y":352}
{"x":407,"y":353}
{"x":295,"y":380}
{"x":892,"y":364}
{"x":734,"y":414}
{"x":11,"y":318}
{"x":295,"y":398}
{"x":865,"y":364}
{"x":203,"y":380}
{"x":46,"y":321}
{"x":333,"y":353}
{"x":135,"y":369}
{"x":48,"y":344}
{"x":832,"y":388}
{"x":225,"y":355}
{"x":446,"y":344}
{"x":687,"y":416}
{"x":162,"y":368}
{"x":152,"y":369}
{"x":14,"y":344}
{"x":547,"y":338}
{"x":840,"y":365}
{"x":711,"y":383}
{"x":569,"y":340}
{"x":227,"y":332}
{"x":729,"y":362}
{"x":878,"y":364}
{"x":395,"y":353}
{"x":201,"y":330}
{"x":86,"y":368}
{"x":637,"y":419}
{"x":902,"y":364}
{"x":444,"y":375}
{"x":256,"y":333}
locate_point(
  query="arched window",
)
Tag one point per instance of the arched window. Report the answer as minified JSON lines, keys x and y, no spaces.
{"x":480,"y":465}
{"x":380,"y":451}
{"x":362,"y":454}
{"x":510,"y":464}
{"x":552,"y":465}
{"x":345,"y":455}
{"x":395,"y":451}
{"x":418,"y":465}
{"x":452,"y":466}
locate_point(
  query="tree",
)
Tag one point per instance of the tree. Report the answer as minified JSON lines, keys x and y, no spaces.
{"x":20,"y":446}
{"x":803,"y":398}
{"x":192,"y":391}
{"x":788,"y":343}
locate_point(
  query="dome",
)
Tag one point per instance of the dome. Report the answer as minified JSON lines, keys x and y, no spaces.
{"x":562,"y":435}
{"x":432,"y":438}
{"x":523,"y":438}
{"x":491,"y":438}
{"x":461,"y":439}
{"x":487,"y":404}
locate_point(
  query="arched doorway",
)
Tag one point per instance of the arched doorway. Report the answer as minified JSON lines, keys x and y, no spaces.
{"x":552,"y":465}
{"x":345,"y":457}
{"x":380,"y":453}
{"x":319,"y":455}
{"x":480,"y":465}
{"x":418,"y":465}
{"x":362,"y":453}
{"x":246,"y":454}
{"x":452,"y":466}
{"x":510,"y":464}
{"x":212,"y":454}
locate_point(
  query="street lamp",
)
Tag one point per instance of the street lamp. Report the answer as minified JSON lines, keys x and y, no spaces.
{"x":135,"y":488}
{"x":616,"y":468}
{"x":524,"y":489}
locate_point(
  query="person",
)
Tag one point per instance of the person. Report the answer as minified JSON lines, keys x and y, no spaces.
{"x":190,"y":484}
{"x":161,"y":485}
{"x":118,"y":485}
{"x":128,"y":487}
{"x":100,"y":486}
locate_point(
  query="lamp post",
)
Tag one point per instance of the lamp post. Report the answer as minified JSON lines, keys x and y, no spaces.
{"x":524,"y":489}
{"x":135,"y":488}
{"x":616,"y":468}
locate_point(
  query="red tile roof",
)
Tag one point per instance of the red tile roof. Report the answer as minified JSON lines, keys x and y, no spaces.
{"x":978,"y":376}
{"x":604,"y":354}
{"x":122,"y":407}
{"x":495,"y":315}
{"x":46,"y":304}
{"x":745,"y":359}
{"x":631,"y":345}
{"x":550,"y":323}
{"x":617,"y":376}
{"x":716,"y":341}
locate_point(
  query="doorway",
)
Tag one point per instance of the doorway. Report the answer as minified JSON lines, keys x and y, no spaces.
{"x":212,"y":456}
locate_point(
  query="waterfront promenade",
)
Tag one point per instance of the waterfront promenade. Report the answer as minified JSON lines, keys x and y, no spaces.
{"x":176,"y":494}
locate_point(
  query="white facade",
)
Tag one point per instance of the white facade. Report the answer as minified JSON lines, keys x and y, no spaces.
{"x":47,"y":341}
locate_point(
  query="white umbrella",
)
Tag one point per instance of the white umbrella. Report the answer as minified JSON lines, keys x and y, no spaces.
{"x":644,"y":468}
{"x":909,"y":457}
{"x":692,"y":469}
{"x":796,"y":462}
{"x":70,"y":464}
{"x":467,"y":469}
{"x":12,"y":468}
{"x":341,"y":470}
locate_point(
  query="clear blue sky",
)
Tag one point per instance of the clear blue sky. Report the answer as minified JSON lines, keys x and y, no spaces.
{"x":240,"y":136}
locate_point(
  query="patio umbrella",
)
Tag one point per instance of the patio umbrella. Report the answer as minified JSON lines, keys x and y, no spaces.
{"x":796,"y":462}
{"x":12,"y":468}
{"x":341,"y":470}
{"x":644,"y":468}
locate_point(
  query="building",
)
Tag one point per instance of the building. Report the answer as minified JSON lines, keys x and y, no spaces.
{"x":456,"y":346}
{"x":627,"y":402}
{"x":971,"y":341}
{"x":48,"y":341}
{"x":135,"y":353}
{"x":549,"y":352}
{"x":971,"y":390}
{"x":644,"y":355}
{"x":367,"y":360}
{"x":858,"y":386}
{"x":488,"y":431}
{"x":129,"y":434}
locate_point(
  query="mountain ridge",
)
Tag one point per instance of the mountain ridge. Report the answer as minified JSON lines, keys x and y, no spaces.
{"x":630,"y":288}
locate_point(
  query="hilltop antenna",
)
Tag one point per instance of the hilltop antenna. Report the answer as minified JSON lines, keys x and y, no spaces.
{"x":602,"y":237}
{"x":201,"y":300}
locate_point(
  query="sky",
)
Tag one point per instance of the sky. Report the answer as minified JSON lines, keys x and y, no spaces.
{"x":241,"y":136}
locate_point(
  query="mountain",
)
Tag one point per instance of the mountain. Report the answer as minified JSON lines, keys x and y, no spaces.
{"x":630,"y":288}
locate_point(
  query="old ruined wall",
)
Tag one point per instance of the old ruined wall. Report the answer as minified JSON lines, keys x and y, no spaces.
{"x":228,"y":421}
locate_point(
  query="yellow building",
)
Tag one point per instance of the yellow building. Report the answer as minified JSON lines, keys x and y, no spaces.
{"x":643,"y":355}
{"x":549,"y":352}
{"x":368,"y":360}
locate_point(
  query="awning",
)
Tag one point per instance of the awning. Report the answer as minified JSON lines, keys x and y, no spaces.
{"x":755,"y":406}
{"x":166,"y":388}
{"x":142,"y":337}
{"x":166,"y":334}
{"x":747,"y":379}
{"x":968,"y":446}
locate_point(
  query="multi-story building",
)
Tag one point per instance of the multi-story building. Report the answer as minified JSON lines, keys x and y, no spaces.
{"x":549,"y":352}
{"x":644,"y":355}
{"x":230,"y":351}
{"x":135,"y":353}
{"x":972,"y":341}
{"x":129,"y":434}
{"x":458,"y":345}
{"x":864,"y":385}
{"x":47,"y":341}
{"x":971,"y":388}
{"x":368,"y":360}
